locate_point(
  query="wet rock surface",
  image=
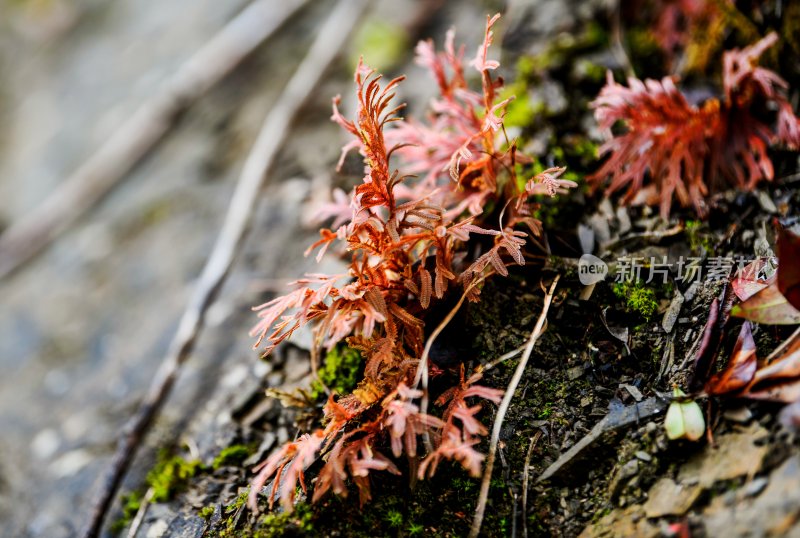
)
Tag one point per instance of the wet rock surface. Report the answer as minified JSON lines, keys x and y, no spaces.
{"x":84,"y":325}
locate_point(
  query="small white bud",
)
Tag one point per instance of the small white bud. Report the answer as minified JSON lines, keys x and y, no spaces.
{"x":684,"y":419}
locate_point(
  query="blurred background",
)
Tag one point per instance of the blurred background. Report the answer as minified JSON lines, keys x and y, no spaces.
{"x":84,"y":324}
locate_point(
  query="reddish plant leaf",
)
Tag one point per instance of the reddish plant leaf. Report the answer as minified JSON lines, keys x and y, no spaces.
{"x":768,"y":306}
{"x":747,"y":283}
{"x":718,"y":315}
{"x":686,"y":151}
{"x":741,"y":366}
{"x":779,"y":381}
{"x":708,"y":347}
{"x":786,"y":392}
{"x":789,"y":267}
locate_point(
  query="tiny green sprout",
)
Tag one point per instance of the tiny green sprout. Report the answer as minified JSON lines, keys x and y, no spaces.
{"x":684,"y":418}
{"x":415,"y":529}
{"x":394,"y":518}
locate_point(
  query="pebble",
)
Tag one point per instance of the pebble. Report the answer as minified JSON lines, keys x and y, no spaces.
{"x":157,"y":529}
{"x":283,"y":435}
{"x":77,"y":426}
{"x":633,"y":391}
{"x":644,"y":456}
{"x":629,"y":470}
{"x":70,"y":463}
{"x":57,"y":382}
{"x":575,"y":372}
{"x":262,"y":368}
{"x":235,"y":376}
{"x":739,"y":415}
{"x":275,"y":379}
{"x":218,"y":312}
{"x":766,"y":203}
{"x":46,"y":443}
{"x":755,"y":486}
{"x":672,"y":313}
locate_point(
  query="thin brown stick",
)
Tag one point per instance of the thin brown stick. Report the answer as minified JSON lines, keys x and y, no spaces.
{"x":329,"y":41}
{"x":477,"y":521}
{"x":422,"y":366}
{"x":617,"y":46}
{"x":137,"y":136}
{"x":502,"y":358}
{"x":525,"y":479}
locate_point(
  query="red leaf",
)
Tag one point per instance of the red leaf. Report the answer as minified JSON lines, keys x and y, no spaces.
{"x":741,"y":366}
{"x":789,"y":268}
{"x":768,"y":306}
{"x":747,"y":283}
{"x":780,"y":379}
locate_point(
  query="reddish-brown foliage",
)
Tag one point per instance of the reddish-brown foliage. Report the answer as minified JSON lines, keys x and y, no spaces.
{"x":764,"y":300}
{"x":406,"y":238}
{"x":686,"y":151}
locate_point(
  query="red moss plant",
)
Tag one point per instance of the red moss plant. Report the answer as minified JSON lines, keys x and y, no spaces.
{"x":685,"y":151}
{"x":406,"y":238}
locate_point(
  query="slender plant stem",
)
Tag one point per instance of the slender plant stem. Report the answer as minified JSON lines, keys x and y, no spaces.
{"x":140,"y":513}
{"x":477,"y":521}
{"x":142,"y":131}
{"x":525,"y":481}
{"x":330,"y":39}
{"x":422,"y":366}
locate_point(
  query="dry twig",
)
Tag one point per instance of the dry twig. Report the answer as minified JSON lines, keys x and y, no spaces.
{"x":422,"y":366}
{"x":615,"y":419}
{"x":329,"y":41}
{"x":525,"y":477}
{"x":503,"y":408}
{"x":140,"y":513}
{"x":126,"y":147}
{"x":504,"y":357}
{"x":617,"y":46}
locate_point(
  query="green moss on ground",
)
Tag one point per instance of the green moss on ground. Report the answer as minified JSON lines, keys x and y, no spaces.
{"x":207,"y":512}
{"x":170,"y":475}
{"x":340,"y":372}
{"x":232,"y":455}
{"x":131,"y":502}
{"x":557,"y":396}
{"x":637,"y":298}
